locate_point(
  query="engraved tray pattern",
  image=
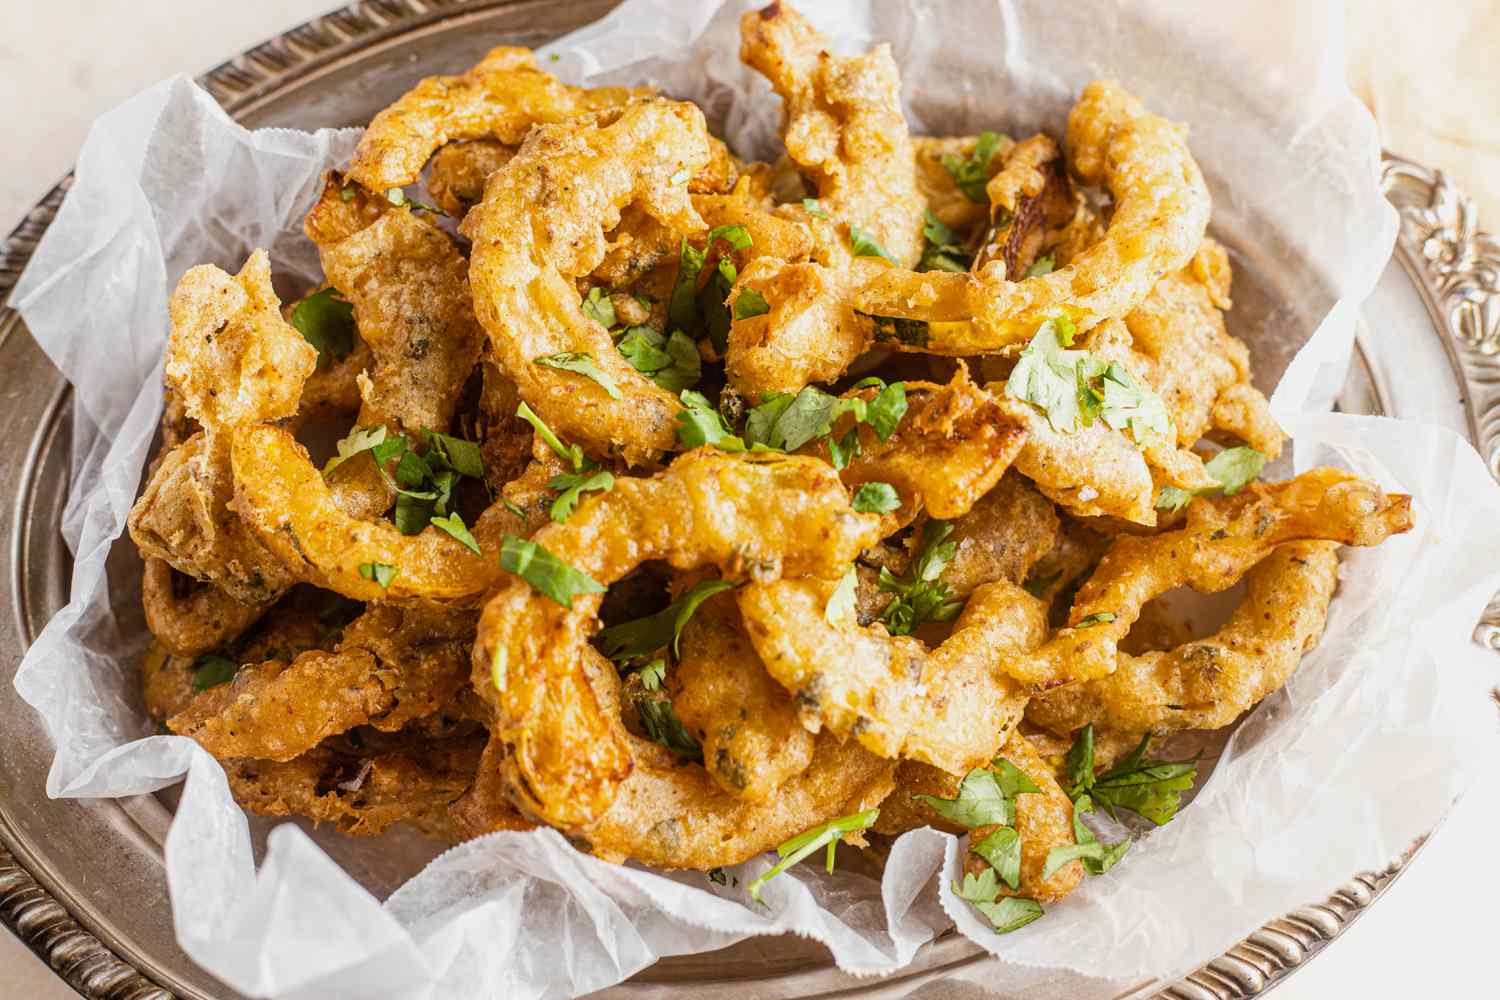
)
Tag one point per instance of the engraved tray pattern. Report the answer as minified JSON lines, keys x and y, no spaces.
{"x":1455,"y":266}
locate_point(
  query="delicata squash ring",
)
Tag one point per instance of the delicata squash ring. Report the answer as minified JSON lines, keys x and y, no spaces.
{"x":1222,"y":538}
{"x":542,"y":225}
{"x":1160,"y":214}
{"x":752,"y":516}
{"x":1207,"y":683}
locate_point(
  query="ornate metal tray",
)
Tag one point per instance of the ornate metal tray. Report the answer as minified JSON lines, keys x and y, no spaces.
{"x":82,"y":882}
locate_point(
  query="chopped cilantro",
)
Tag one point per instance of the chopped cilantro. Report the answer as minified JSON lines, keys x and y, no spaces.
{"x":581,"y":363}
{"x":211,"y":670}
{"x":545,"y":572}
{"x":986,"y":796}
{"x":381,"y":573}
{"x":810,"y":842}
{"x":1005,"y":913}
{"x":1038,"y":585}
{"x":1097,"y":618}
{"x":1234,"y":468}
{"x":598,"y":307}
{"x":943,"y":251}
{"x":454,"y":525}
{"x":671,"y":362}
{"x":326,"y":320}
{"x":653,"y":674}
{"x":570,"y":453}
{"x":1097,"y":857}
{"x":360,"y":439}
{"x":920,"y":596}
{"x":813,"y":208}
{"x":750,"y":303}
{"x":572,"y":485}
{"x":865,"y":245}
{"x":642,"y":636}
{"x":876,"y":498}
{"x":840,"y":607}
{"x":1073,"y":387}
{"x":698,"y":423}
{"x":1002,"y":849}
{"x":663,"y":726}
{"x":1152,"y":789}
{"x":1041,"y":267}
{"x":971,"y":173}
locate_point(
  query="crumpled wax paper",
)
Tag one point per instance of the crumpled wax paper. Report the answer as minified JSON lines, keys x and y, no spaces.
{"x":1368,"y":746}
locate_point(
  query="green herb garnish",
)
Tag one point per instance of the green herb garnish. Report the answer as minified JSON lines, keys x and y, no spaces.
{"x":381,"y":573}
{"x":876,"y":498}
{"x":819,"y":837}
{"x":581,"y":363}
{"x":326,"y":320}
{"x":211,"y":670}
{"x":865,"y":245}
{"x":546,"y":573}
{"x":572,"y":485}
{"x":971,"y":173}
{"x":642,"y":636}
{"x":920,"y":596}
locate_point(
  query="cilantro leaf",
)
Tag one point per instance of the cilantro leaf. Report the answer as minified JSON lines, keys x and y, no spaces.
{"x":454,"y":525}
{"x":943,"y":251}
{"x":499,"y":668}
{"x":671,"y":362}
{"x":663,"y":726}
{"x":972,"y":173}
{"x":326,"y":320}
{"x":211,"y":670}
{"x":460,"y":455}
{"x":398,"y":197}
{"x":598,"y":307}
{"x":1234,"y":468}
{"x":844,"y":450}
{"x":546,"y":573}
{"x":360,"y":439}
{"x":814,"y":208}
{"x":736,"y":235}
{"x":1097,"y":618}
{"x":572,"y":485}
{"x":1006,"y":913}
{"x":1043,"y":266}
{"x":920,"y":596}
{"x":1002,"y":849}
{"x":750,"y":303}
{"x":581,"y":363}
{"x":1013,"y":781}
{"x":381,"y":573}
{"x":804,"y":844}
{"x":876,"y":498}
{"x":865,"y":245}
{"x":699,"y":423}
{"x":653,"y":674}
{"x":984,"y":799}
{"x":886,"y":410}
{"x":682,"y":306}
{"x":570,"y":453}
{"x":1079,"y":763}
{"x":1097,"y":857}
{"x":840,"y":607}
{"x":1072,"y":387}
{"x":1152,"y":789}
{"x":641,"y":636}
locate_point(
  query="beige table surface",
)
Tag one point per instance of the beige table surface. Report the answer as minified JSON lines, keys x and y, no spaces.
{"x":1433,"y":80}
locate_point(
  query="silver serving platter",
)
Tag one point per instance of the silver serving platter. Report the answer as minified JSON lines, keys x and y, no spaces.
{"x":82,"y":881}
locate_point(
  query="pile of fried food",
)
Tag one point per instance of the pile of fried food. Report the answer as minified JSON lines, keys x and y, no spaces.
{"x":697,"y":507}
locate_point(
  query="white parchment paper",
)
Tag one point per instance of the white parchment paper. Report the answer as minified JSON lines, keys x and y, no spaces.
{"x":1380,"y":730}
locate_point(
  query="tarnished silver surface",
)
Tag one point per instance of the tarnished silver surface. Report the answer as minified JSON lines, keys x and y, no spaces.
{"x":81,"y":882}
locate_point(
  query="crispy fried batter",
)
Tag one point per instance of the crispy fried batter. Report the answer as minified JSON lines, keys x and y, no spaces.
{"x":362,"y":793}
{"x":752,"y":741}
{"x":1044,"y":820}
{"x":751,"y":516}
{"x":1001,"y":537}
{"x":950,"y":707}
{"x":1206,"y":684}
{"x":394,"y":664}
{"x":1161,"y":212}
{"x":1029,"y":197}
{"x":459,"y":170}
{"x":283,"y":498}
{"x":1221,"y":539}
{"x":501,"y":97}
{"x":843,"y":128}
{"x":187,"y":616}
{"x":542,"y":224}
{"x":231,"y":358}
{"x":953,"y":445}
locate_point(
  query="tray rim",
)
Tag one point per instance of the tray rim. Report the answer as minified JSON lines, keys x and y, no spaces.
{"x":1454,"y":266}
